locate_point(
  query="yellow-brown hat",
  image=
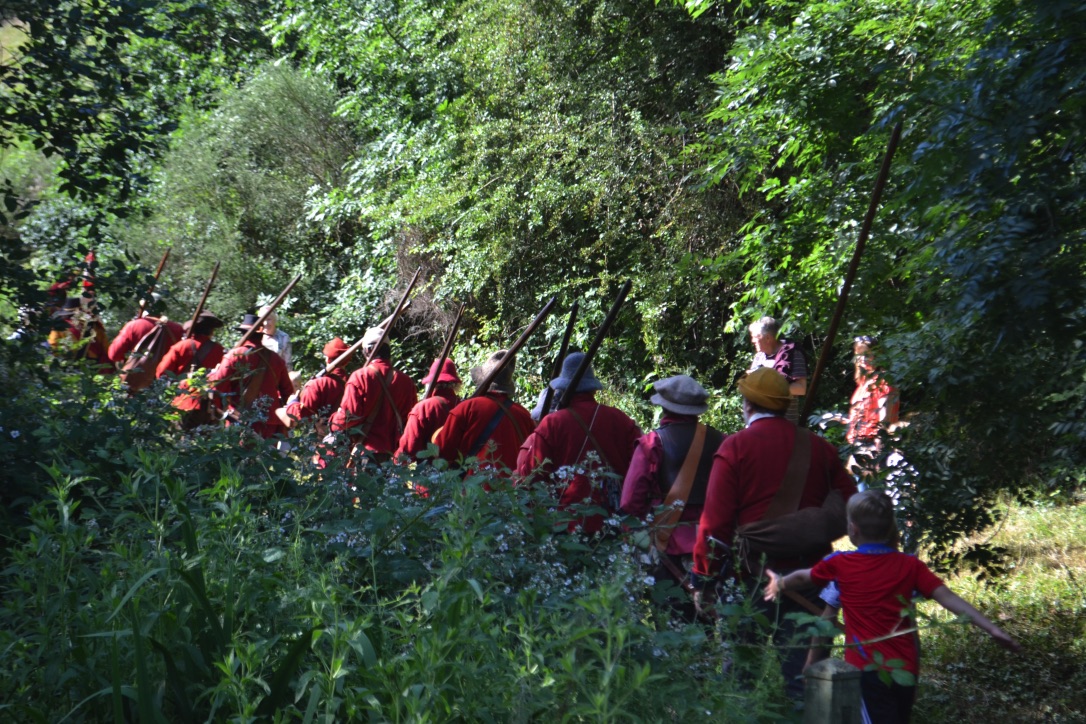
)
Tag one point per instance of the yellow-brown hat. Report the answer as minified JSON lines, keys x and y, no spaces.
{"x":766,"y":387}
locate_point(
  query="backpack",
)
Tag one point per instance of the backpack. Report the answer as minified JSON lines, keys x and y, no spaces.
{"x":139,"y":369}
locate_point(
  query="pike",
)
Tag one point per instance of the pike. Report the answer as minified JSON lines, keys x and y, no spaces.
{"x":203,"y":301}
{"x":512,"y":351}
{"x":850,"y":275}
{"x":556,"y":369}
{"x":151,"y":290}
{"x":385,"y":325}
{"x":445,"y":352}
{"x":271,"y":308}
{"x":601,"y":333}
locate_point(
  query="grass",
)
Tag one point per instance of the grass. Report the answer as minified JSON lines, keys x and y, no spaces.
{"x":12,"y":36}
{"x":1041,"y":602}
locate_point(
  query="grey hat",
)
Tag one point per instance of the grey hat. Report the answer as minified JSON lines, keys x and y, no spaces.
{"x":680,"y":394}
{"x":537,"y":411}
{"x":504,"y":382}
{"x":588,"y":382}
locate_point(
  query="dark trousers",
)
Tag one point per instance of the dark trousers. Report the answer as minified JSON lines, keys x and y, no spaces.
{"x":886,"y":703}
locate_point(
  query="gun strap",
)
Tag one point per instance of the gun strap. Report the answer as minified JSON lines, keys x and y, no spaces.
{"x":364,"y":428}
{"x":491,"y":426}
{"x":790,"y":491}
{"x":680,"y":491}
{"x":385,"y":381}
{"x":589,"y":437}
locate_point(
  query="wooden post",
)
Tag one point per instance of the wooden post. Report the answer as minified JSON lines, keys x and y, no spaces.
{"x":833,"y":693}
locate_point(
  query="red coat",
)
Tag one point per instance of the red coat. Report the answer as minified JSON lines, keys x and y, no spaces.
{"x":561,"y":441}
{"x":137,"y":329}
{"x":469,"y":420}
{"x":426,"y":418}
{"x":179,"y":357}
{"x":320,"y":396}
{"x":747,"y":472}
{"x":365,"y":396}
{"x":241,"y":364}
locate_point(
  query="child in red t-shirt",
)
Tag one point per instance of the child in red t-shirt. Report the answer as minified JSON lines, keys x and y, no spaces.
{"x":876,"y":584}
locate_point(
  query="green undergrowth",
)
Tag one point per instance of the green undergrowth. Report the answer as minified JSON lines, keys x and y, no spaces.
{"x":156,"y":577}
{"x":1041,"y":601}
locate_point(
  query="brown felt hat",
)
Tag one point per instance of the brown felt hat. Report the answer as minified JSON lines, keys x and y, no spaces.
{"x":504,"y":382}
{"x":766,"y":387}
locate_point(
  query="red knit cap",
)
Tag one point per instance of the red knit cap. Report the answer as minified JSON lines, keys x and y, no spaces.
{"x":448,"y":373}
{"x":335,"y":348}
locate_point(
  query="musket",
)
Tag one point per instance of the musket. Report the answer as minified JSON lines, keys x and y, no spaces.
{"x":601,"y":333}
{"x":203,"y":301}
{"x":449,"y":341}
{"x":850,"y":275}
{"x":556,"y":369}
{"x":385,"y":325}
{"x":271,"y":308}
{"x":512,"y":351}
{"x":161,"y":264}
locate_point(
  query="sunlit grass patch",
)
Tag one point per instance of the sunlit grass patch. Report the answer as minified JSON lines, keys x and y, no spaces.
{"x":1042,"y":602}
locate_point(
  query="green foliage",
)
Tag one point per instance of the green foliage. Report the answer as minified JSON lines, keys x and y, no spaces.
{"x":973,"y":275}
{"x":234,"y":188}
{"x":193,"y":579}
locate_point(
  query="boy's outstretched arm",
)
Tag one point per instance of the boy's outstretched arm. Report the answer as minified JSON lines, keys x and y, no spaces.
{"x":956,"y":604}
{"x":779,"y":584}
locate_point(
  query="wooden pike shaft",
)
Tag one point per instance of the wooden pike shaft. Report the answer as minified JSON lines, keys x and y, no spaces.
{"x":850,"y":275}
{"x":158,"y":272}
{"x":601,"y":333}
{"x":203,"y":301}
{"x":445,"y":351}
{"x":512,"y":351}
{"x":563,"y":350}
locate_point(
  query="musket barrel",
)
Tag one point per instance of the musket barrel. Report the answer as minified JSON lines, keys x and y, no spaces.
{"x":203,"y":300}
{"x":601,"y":333}
{"x":556,"y":369}
{"x":158,"y":272}
{"x":271,"y":308}
{"x":445,"y":351}
{"x":512,"y":351}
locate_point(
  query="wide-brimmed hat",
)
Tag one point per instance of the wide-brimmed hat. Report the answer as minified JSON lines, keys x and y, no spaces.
{"x":537,"y":411}
{"x":372,"y":337}
{"x":766,"y":387}
{"x":447,"y":375}
{"x":205,"y":323}
{"x":68,"y":308}
{"x":247,"y":323}
{"x":504,"y":382}
{"x":680,"y":394}
{"x":335,"y":348}
{"x":588,"y":382}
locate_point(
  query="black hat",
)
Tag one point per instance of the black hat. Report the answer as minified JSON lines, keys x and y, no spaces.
{"x":247,"y":323}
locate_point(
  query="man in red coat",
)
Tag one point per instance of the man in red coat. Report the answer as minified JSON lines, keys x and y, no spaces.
{"x":671,"y":468}
{"x":250,"y":378}
{"x":582,"y":448}
{"x":490,"y":427}
{"x":376,"y":402}
{"x":321,"y":396}
{"x":138,"y":328}
{"x":748,"y":470}
{"x":198,"y":352}
{"x":429,"y":415}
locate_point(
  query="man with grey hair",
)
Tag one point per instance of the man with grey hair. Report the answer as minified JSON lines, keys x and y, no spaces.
{"x":780,"y":355}
{"x":276,"y":339}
